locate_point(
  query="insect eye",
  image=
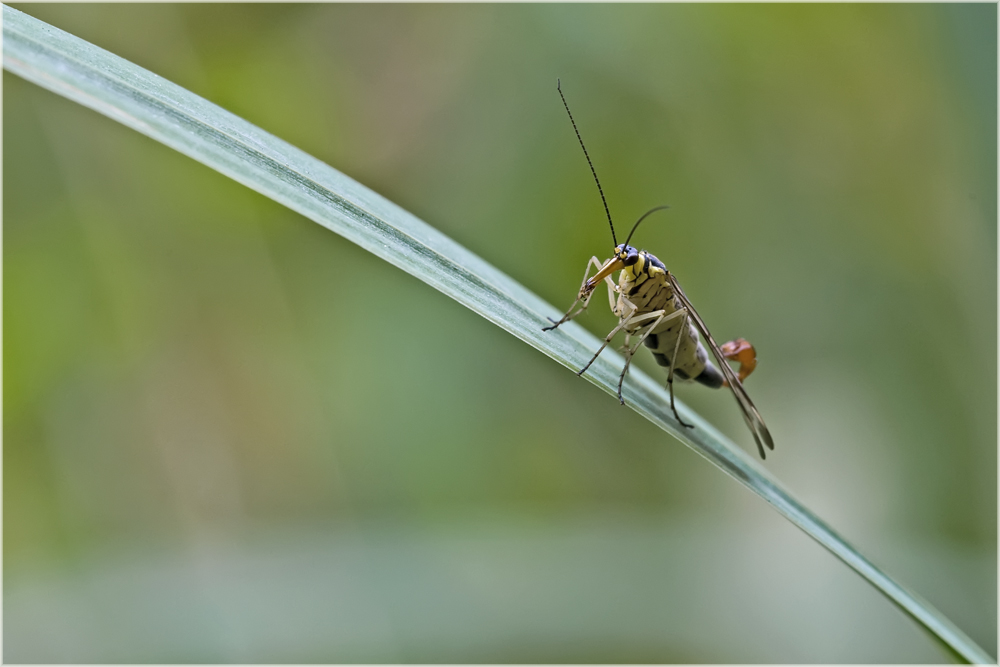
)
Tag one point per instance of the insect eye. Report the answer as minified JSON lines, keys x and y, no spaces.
{"x":631,"y":259}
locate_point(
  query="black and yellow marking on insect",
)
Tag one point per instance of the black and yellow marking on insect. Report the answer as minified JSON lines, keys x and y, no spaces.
{"x":651,"y":305}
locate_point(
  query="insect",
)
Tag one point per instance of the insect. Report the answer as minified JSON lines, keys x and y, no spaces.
{"x":652,"y":307}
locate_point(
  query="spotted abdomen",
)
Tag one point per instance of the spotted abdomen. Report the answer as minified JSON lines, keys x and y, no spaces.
{"x":692,"y":358}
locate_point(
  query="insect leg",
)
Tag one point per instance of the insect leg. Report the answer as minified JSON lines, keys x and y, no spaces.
{"x":586,"y":300}
{"x":607,"y":339}
{"x":612,"y":290}
{"x":660,"y":316}
{"x":627,"y":344}
{"x":670,"y":375}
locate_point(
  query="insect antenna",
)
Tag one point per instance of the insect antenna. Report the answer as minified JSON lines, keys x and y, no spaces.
{"x":636,"y":225}
{"x":587,"y":155}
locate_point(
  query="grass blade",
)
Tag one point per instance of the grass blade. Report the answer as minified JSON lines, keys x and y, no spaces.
{"x":159,"y":109}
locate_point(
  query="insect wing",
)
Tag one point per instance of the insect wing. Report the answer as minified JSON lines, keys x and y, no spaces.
{"x":750,"y":414}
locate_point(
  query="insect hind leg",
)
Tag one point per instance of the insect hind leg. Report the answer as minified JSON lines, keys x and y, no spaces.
{"x":673,"y":359}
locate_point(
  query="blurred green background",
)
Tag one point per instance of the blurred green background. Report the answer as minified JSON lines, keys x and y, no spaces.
{"x":230,"y":435}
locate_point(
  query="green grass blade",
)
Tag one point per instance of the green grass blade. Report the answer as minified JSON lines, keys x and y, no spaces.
{"x":159,"y":109}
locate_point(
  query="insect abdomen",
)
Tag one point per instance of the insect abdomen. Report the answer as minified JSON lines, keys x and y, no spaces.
{"x":709,"y":375}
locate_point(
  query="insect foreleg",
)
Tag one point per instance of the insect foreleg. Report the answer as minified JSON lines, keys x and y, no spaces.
{"x":673,"y":358}
{"x":580,"y":297}
{"x":612,"y":290}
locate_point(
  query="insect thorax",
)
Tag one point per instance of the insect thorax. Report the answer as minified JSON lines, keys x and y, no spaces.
{"x":645,"y":285}
{"x":646,"y":291}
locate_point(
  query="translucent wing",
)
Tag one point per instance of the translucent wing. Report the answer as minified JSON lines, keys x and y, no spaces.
{"x":753,"y":419}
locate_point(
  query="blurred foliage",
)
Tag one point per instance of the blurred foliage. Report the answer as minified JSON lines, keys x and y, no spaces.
{"x":191,"y":369}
